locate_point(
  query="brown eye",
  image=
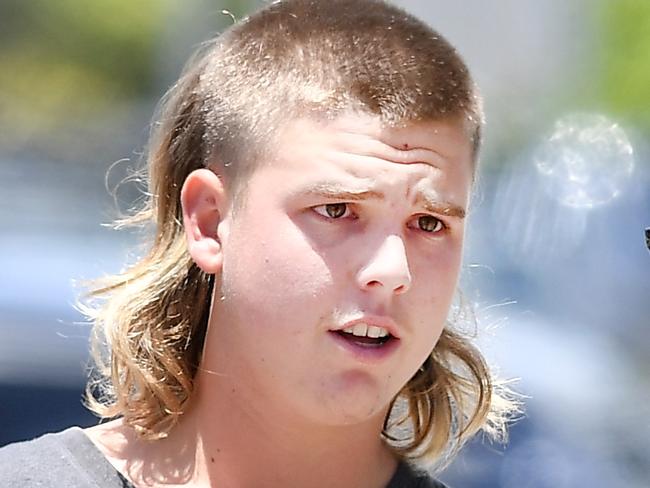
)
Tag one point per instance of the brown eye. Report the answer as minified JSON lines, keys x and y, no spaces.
{"x":428,"y":223}
{"x":335,"y":210}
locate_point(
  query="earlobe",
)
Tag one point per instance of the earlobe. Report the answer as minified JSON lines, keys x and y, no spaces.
{"x":203,"y":199}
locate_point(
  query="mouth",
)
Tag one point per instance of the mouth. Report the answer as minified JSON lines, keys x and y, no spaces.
{"x":367,"y":342}
{"x":364,"y":335}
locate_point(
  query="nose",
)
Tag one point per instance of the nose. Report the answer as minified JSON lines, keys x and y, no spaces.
{"x":387,"y":269}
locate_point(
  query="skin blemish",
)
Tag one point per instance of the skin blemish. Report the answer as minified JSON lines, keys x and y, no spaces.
{"x":211,"y":459}
{"x":406,"y":146}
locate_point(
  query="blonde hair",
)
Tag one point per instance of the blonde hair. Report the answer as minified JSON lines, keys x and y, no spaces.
{"x":294,"y":58}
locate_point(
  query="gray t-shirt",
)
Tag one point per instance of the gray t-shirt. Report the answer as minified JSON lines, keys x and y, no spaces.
{"x":70,"y":459}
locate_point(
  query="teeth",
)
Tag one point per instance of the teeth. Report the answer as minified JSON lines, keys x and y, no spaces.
{"x":365,"y":330}
{"x":360,"y":330}
{"x":374,"y":331}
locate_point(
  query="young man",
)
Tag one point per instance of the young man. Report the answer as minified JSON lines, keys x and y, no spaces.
{"x":309,"y":178}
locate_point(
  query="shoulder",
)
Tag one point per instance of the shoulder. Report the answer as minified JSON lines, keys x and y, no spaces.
{"x":407,"y":476}
{"x":62,"y":459}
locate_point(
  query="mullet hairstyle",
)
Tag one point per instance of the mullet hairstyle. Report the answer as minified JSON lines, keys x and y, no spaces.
{"x":293,"y":58}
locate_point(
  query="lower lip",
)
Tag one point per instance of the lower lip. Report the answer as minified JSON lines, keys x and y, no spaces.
{"x":365,"y":354}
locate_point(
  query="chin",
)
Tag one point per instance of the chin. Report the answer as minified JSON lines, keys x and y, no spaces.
{"x":351,"y":408}
{"x":357,"y":417}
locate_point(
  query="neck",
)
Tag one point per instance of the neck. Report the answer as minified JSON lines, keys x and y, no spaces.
{"x":226,"y":439}
{"x":241,"y":439}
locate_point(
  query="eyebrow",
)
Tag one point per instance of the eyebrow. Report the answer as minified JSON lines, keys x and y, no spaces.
{"x":442,"y":208}
{"x":338,"y":191}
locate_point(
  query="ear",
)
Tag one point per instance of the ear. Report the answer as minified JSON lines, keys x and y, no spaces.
{"x":203,"y":198}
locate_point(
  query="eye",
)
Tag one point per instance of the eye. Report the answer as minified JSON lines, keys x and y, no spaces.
{"x":430,"y":224}
{"x":332,"y":210}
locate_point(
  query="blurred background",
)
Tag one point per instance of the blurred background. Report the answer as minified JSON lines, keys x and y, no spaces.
{"x":556,"y":263}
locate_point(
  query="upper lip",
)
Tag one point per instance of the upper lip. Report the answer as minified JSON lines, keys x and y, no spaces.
{"x":376,"y":320}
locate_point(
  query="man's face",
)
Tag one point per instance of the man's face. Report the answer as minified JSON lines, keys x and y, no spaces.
{"x":350,"y":226}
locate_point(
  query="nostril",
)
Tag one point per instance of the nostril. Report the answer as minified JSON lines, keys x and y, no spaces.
{"x":376,"y":284}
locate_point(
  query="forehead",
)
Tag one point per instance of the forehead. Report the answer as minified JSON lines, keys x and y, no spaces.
{"x":355,"y":157}
{"x":361,"y":145}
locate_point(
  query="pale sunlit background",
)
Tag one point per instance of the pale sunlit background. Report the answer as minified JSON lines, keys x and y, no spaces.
{"x":556,"y":261}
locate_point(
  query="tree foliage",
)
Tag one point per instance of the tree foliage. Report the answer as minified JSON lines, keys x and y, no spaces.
{"x":72,"y":59}
{"x":623,"y":72}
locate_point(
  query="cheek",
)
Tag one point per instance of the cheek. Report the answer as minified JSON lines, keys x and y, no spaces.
{"x":433,"y":289}
{"x":273,"y":269}
{"x":439,"y":269}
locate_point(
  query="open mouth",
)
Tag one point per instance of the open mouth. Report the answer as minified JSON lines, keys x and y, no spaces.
{"x":366,"y":336}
